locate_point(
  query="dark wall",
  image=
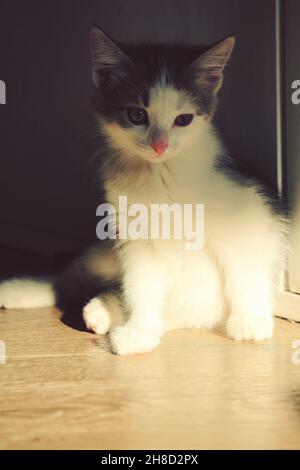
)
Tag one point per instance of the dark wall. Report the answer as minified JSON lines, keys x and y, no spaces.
{"x":48,"y":194}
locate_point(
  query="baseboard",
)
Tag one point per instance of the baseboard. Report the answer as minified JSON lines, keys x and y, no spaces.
{"x":288,"y":306}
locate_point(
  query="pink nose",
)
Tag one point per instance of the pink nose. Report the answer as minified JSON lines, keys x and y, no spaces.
{"x":159,"y":146}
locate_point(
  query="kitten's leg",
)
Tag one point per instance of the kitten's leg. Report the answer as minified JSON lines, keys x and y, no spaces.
{"x":197,"y":299}
{"x":103,"y":312}
{"x":144,"y":289}
{"x":250,"y":290}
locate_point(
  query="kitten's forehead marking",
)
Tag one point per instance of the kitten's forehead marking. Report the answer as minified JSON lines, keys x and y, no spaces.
{"x":165,"y":102}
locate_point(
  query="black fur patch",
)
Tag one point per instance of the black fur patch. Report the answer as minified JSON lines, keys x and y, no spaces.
{"x":239,"y":172}
{"x":128,"y":85}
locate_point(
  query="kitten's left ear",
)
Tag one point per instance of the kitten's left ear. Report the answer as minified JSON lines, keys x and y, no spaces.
{"x":106,"y":55}
{"x":208,"y":68}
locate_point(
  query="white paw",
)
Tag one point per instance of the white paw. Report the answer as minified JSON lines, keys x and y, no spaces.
{"x":126,"y":340}
{"x":97,"y":317}
{"x":254,"y":328}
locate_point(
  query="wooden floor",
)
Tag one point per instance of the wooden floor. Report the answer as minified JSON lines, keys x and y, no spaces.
{"x":63,"y":389}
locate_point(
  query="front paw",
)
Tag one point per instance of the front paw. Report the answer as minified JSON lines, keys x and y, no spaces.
{"x":127,"y":340}
{"x":97,"y":317}
{"x":254,"y":328}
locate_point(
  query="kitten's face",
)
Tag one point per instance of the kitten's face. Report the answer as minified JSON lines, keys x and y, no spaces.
{"x":158,"y":129}
{"x":153,"y":100}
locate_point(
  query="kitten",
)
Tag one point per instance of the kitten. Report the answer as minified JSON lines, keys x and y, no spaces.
{"x":155,"y":106}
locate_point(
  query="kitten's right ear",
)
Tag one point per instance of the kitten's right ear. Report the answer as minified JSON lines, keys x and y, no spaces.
{"x":106,"y":55}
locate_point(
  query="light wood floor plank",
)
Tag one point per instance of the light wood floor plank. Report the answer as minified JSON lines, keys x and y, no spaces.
{"x":63,"y":389}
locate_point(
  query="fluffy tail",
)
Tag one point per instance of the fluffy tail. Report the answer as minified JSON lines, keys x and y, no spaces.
{"x":94,"y":273}
{"x":27,"y":293}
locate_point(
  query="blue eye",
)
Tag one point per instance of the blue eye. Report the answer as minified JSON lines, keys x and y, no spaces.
{"x":183,"y":120}
{"x":138,"y":116}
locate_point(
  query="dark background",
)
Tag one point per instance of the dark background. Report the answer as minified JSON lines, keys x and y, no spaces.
{"x":49,"y":191}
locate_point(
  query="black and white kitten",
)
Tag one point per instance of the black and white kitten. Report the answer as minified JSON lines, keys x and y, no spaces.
{"x":155,"y":106}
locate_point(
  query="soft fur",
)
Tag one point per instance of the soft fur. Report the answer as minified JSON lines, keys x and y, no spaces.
{"x":232,"y":280}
